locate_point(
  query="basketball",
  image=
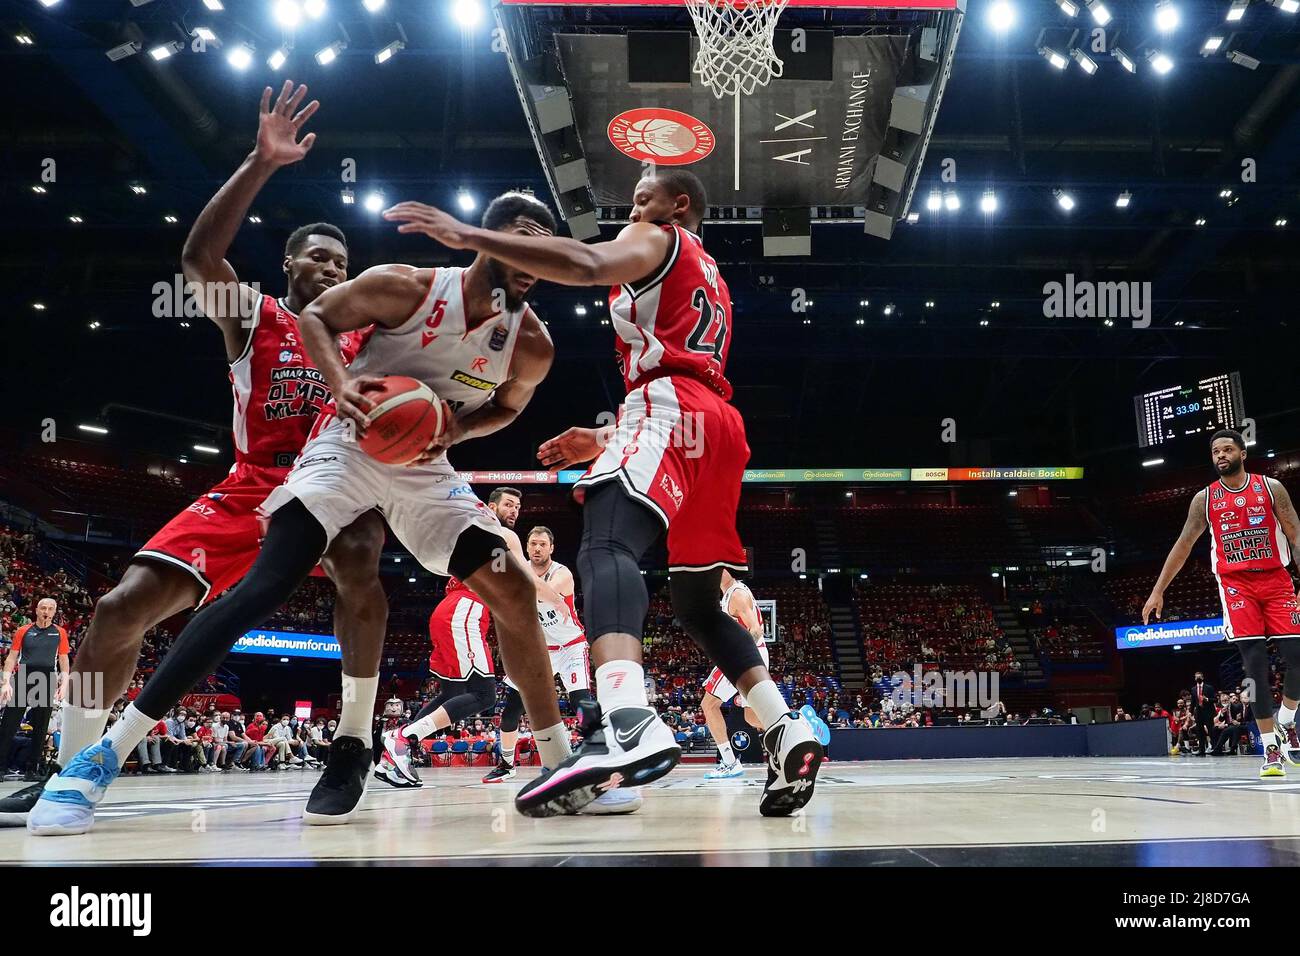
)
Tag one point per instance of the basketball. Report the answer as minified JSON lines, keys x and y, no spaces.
{"x":406,"y":416}
{"x":660,"y":137}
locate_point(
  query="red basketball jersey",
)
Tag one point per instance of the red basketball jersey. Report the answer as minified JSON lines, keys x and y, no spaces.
{"x":456,"y":584}
{"x":1245,"y":529}
{"x":678,"y":322}
{"x":278,"y":392}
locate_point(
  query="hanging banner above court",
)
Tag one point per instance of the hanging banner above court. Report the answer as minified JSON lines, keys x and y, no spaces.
{"x":795,"y":142}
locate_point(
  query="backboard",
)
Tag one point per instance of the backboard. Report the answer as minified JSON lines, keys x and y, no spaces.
{"x":608,"y":89}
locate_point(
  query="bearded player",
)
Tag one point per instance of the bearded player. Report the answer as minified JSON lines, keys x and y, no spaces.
{"x":467,"y":334}
{"x":737,"y":601}
{"x":277,"y":393}
{"x":1254,"y":533}
{"x":674,"y":460}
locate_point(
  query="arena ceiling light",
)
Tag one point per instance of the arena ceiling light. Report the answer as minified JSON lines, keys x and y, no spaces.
{"x":216,"y":6}
{"x":1100,"y":15}
{"x":48,"y":3}
{"x":1167,"y":17}
{"x":207,"y":449}
{"x":75,"y":220}
{"x":1237,"y":10}
{"x":1241,"y":59}
{"x":1068,"y":7}
{"x":374,"y":6}
{"x":24,"y":39}
{"x":1211,"y":45}
{"x":93,"y":429}
{"x":1063,"y":199}
{"x":277,"y":59}
{"x":240,"y":56}
{"x":93,"y":325}
{"x":466,"y":201}
{"x":1125,"y":60}
{"x":1152,"y":462}
{"x":330,"y":53}
{"x":913,"y":217}
{"x":579,"y":310}
{"x":1225,"y":193}
{"x":934,"y":202}
{"x":1086,"y":63}
{"x":1052,"y":57}
{"x":287,"y":13}
{"x":1200,"y":221}
{"x":951,"y":201}
{"x":170,"y":219}
{"x":374,"y":202}
{"x":468,"y":13}
{"x":1280,"y":223}
{"x":1002,"y":16}
{"x":123,"y":50}
{"x":39,"y":190}
{"x":388,"y":52}
{"x":38,"y":306}
{"x":255,"y":220}
{"x":1123,"y":199}
{"x":348,"y":196}
{"x":988,"y":206}
{"x":889,"y":309}
{"x":163,"y":51}
{"x":1286,"y":6}
{"x":315,"y":9}
{"x":1160,"y":62}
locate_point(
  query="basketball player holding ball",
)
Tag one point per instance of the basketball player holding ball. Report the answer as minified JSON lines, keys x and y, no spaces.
{"x":674,"y":460}
{"x":277,"y":394}
{"x":467,"y":334}
{"x":1254,"y":535}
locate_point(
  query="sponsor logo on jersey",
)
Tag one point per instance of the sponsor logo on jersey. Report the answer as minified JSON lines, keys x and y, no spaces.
{"x":1218,"y":506}
{"x":1239,"y":501}
{"x":317,"y":460}
{"x":1228,"y":516}
{"x":286,"y":356}
{"x":460,"y":492}
{"x":1254,"y":510}
{"x":202,"y":510}
{"x":498,"y":340}
{"x":667,"y":137}
{"x":473,"y":381}
{"x":1233,"y":591}
{"x":1256,"y":487}
{"x":1236,"y":605}
{"x":1256,"y":520}
{"x":215,"y":495}
{"x":1225,"y":527}
{"x":670,"y":487}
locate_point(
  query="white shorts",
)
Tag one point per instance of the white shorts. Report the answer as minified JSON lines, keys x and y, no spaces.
{"x":427,"y":506}
{"x":721,"y":688}
{"x":572,"y":665}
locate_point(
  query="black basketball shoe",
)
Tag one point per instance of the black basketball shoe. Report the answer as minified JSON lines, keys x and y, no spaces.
{"x":337,"y":794}
{"x":501,"y":772}
{"x":628,"y":747}
{"x":15,"y":807}
{"x":793,"y":758}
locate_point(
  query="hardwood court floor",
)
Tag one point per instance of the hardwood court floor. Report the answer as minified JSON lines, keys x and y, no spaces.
{"x":1132,"y":812}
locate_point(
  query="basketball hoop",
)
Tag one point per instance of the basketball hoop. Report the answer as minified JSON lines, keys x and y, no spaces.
{"x":736,"y":52}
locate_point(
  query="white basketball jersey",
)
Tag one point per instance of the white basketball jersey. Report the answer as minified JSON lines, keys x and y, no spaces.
{"x":560,"y":632}
{"x":740,"y":586}
{"x":463,"y":366}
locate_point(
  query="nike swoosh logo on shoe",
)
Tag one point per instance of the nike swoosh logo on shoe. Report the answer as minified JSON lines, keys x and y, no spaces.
{"x":635,"y":732}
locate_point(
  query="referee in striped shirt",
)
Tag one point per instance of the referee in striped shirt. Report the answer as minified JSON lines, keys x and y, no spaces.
{"x":40,"y":657}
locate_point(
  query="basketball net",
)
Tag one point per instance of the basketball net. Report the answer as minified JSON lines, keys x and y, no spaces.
{"x":736,"y":52}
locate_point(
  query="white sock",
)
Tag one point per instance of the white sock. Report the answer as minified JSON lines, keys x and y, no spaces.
{"x":725,"y":756}
{"x":766,"y":700}
{"x":81,"y":728}
{"x":131,"y":728}
{"x":421,"y":728}
{"x":620,"y":684}
{"x":508,"y":756}
{"x":552,"y":745}
{"x":1285,"y":715}
{"x":358,"y":712}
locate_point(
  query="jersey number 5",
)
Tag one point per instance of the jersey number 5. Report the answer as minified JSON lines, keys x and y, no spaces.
{"x":710,"y":333}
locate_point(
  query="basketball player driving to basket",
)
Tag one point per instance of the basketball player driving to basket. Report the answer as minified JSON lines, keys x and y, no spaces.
{"x":674,"y":460}
{"x":466,"y":333}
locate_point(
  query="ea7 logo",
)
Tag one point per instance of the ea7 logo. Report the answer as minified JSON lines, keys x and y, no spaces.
{"x":77,"y":909}
{"x":199,"y":508}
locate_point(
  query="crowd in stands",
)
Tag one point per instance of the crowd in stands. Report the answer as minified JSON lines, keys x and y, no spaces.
{"x":907,"y":624}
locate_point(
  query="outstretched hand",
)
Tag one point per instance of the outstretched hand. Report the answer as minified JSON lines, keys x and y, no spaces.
{"x":278,"y":126}
{"x":416,"y":217}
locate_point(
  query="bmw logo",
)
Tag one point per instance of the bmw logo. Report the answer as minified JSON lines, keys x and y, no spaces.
{"x":740,"y":740}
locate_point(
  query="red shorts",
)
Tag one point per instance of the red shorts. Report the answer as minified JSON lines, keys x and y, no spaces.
{"x":217,"y":538}
{"x":1258,"y":604}
{"x":458,"y":629}
{"x":680,"y":448}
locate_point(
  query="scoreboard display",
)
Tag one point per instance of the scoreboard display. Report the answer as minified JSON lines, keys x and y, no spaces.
{"x":1180,"y":411}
